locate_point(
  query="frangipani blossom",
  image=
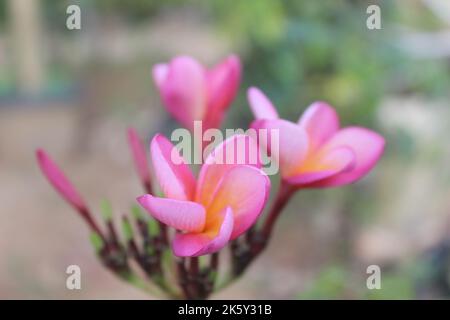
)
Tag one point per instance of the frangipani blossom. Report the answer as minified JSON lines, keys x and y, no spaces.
{"x":219,"y":206}
{"x":190,"y":92}
{"x":316,"y":152}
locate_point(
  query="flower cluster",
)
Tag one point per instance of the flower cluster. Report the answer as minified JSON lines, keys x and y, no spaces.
{"x":200,"y":215}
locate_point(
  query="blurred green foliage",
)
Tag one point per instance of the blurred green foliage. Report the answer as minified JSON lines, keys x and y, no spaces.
{"x":302,"y":51}
{"x":133,"y":11}
{"x":2,"y":14}
{"x":337,"y":282}
{"x":394,"y":286}
{"x":330,"y":283}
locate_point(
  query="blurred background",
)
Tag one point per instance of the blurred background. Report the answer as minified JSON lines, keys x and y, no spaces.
{"x":74,"y":93}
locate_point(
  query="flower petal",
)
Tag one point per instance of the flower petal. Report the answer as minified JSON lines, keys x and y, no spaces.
{"x":184,"y":92}
{"x":325,"y":165}
{"x":368,"y":147}
{"x":197,"y":244}
{"x":236,"y":150}
{"x":159,"y":73}
{"x":181,"y":215}
{"x":260,"y":105}
{"x":59,"y":181}
{"x":174,"y":176}
{"x":292,"y":146}
{"x":245,"y":189}
{"x":320,"y":121}
{"x":223,"y":82}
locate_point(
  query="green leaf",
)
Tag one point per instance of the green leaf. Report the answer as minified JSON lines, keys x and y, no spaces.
{"x":106,"y":210}
{"x":137,"y":213}
{"x":213,"y":276}
{"x":153,"y":227}
{"x":150,"y":250}
{"x":203,"y":261}
{"x":127,"y":230}
{"x":96,"y":241}
{"x":152,"y":224}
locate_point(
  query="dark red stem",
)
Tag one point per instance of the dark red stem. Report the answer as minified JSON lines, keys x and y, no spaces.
{"x":91,"y":222}
{"x":214,"y":263}
{"x":183,"y":278}
{"x":284,"y":194}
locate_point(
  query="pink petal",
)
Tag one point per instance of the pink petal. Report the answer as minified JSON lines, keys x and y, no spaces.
{"x":260,"y":105}
{"x":292,"y":143}
{"x":181,"y":215}
{"x":368,"y":147}
{"x":210,"y":241}
{"x":223,"y":82}
{"x":237,"y":150}
{"x":59,"y":181}
{"x":139,"y":155}
{"x":245,"y":189}
{"x":159,"y":73}
{"x":341,"y":159}
{"x":184,"y":92}
{"x":174,"y":176}
{"x":320,"y":121}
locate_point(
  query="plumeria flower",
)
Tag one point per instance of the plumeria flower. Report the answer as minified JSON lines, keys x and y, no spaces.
{"x":191,"y":92}
{"x":315,"y":151}
{"x":219,"y":206}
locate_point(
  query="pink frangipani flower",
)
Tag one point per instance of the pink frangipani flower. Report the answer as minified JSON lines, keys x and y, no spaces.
{"x":315,"y":151}
{"x":190,"y":92}
{"x":219,"y":206}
